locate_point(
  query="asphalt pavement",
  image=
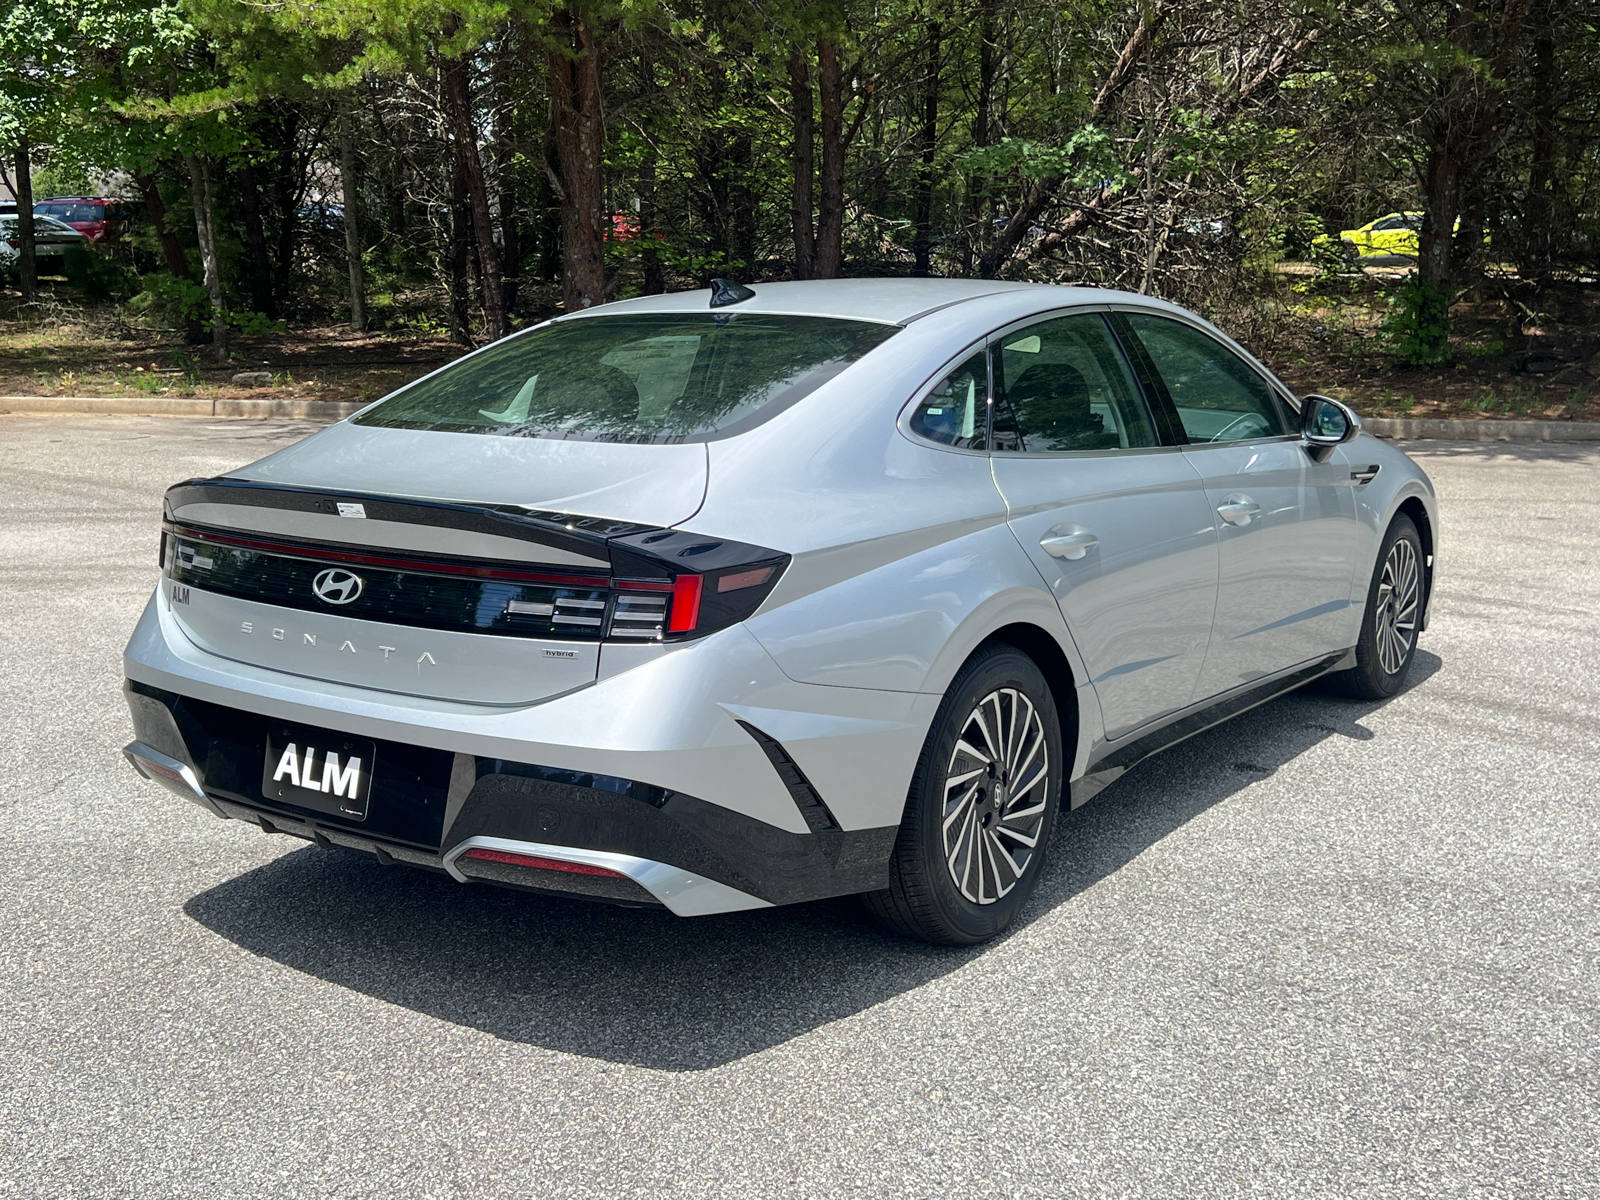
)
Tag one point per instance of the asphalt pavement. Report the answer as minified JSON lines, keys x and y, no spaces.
{"x":1330,"y":949}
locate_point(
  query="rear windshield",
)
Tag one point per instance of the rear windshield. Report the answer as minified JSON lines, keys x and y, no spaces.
{"x":654,"y":377}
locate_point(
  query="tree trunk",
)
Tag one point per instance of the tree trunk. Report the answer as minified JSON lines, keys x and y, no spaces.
{"x":1540,"y":205}
{"x":507,"y":66}
{"x":1442,"y":192}
{"x":801,"y":203}
{"x":171,"y":247}
{"x":830,"y":212}
{"x":27,"y":264}
{"x":261,"y":297}
{"x":549,"y":208}
{"x":205,"y":229}
{"x":922,"y":248}
{"x":579,"y":123}
{"x":982,"y":135}
{"x":352,"y":219}
{"x":459,"y":99}
{"x":460,"y":253}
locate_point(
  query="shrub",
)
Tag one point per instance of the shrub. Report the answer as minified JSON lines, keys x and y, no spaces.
{"x":1417,"y":325}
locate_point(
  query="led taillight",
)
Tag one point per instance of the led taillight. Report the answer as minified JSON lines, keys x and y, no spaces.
{"x":544,"y":864}
{"x":685,"y":603}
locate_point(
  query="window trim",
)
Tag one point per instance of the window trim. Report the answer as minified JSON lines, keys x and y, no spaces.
{"x":1286,"y":410}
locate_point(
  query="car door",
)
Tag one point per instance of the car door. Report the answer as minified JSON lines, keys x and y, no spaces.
{"x":1118,"y":524}
{"x":1286,"y":528}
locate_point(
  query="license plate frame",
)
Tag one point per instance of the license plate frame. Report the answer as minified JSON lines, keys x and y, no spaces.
{"x":297,"y":755}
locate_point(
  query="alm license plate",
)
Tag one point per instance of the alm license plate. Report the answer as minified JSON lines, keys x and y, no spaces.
{"x":318,"y":769}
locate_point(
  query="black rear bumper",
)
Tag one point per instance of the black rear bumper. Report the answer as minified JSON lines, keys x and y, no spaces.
{"x":426,"y":802}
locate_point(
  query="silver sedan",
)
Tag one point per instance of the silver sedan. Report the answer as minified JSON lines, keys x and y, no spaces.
{"x":744,"y":597}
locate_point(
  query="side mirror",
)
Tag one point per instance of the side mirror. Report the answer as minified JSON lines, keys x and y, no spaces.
{"x":1326,"y":423}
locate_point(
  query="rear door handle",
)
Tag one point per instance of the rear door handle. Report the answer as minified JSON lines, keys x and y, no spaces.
{"x":1238,"y":509}
{"x":1068,"y":541}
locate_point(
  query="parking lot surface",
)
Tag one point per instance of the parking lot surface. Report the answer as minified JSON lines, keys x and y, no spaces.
{"x":1329,"y":949}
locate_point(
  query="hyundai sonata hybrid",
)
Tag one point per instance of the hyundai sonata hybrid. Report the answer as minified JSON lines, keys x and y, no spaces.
{"x":749,"y":596}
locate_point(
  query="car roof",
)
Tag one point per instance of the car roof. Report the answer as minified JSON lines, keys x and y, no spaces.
{"x":893,"y":300}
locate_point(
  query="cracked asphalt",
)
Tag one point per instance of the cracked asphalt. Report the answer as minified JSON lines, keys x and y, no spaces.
{"x":1327,"y":950}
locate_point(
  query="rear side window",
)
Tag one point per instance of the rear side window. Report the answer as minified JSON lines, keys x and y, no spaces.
{"x":74,"y":212}
{"x":1063,"y":386}
{"x":1218,"y":396}
{"x":651,"y":377}
{"x":956,"y":411}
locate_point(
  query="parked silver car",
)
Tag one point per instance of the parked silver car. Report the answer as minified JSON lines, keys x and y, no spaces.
{"x":735,"y":598}
{"x":51,"y":239}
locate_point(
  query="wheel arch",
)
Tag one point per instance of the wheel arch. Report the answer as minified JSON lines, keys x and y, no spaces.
{"x":1041,"y":646}
{"x":1413,"y":507}
{"x":1038,"y":644}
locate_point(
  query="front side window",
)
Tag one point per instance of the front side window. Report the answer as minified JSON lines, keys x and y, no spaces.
{"x":651,"y":377}
{"x":1062,"y":386}
{"x":956,"y":411}
{"x":1218,"y":396}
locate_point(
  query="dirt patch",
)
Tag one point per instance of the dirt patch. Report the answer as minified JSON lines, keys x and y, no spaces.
{"x":96,"y":354}
{"x":1510,"y":359}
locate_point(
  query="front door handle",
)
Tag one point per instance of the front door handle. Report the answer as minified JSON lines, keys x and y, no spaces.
{"x":1068,"y":541}
{"x":1238,"y":509}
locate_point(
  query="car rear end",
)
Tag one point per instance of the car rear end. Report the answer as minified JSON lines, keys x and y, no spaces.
{"x":461,"y":671}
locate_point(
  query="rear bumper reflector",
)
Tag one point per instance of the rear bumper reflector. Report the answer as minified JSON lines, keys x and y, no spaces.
{"x":171,"y":773}
{"x":513,"y":859}
{"x":684,"y":892}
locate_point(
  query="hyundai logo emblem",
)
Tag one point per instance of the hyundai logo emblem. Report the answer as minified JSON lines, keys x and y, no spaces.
{"x":336,"y":586}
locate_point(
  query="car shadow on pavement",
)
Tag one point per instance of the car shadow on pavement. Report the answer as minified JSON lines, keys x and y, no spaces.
{"x":648,"y":989}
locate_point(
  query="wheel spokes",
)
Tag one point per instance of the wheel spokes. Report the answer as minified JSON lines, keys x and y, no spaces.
{"x":996,"y":791}
{"x":1398,"y":601}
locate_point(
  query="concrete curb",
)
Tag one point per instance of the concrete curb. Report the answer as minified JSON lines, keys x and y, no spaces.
{"x":180,"y":406}
{"x":1483,"y":431}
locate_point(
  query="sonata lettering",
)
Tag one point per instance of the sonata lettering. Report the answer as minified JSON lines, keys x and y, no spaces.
{"x":248,"y":628}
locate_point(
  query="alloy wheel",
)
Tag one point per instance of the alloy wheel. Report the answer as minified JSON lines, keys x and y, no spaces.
{"x":995,"y":791}
{"x":1399,"y":589}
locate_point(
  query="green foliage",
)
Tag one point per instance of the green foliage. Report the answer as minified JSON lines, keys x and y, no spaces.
{"x":98,"y":276}
{"x":1417,"y":325}
{"x":167,"y":299}
{"x":1087,"y":158}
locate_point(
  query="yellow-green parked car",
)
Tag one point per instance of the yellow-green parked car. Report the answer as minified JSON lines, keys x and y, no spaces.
{"x":1393,"y":236}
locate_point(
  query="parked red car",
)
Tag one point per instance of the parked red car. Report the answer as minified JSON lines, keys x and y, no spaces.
{"x":93,"y":216}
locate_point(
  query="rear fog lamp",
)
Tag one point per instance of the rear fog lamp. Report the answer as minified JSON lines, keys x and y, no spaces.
{"x":542,"y":864}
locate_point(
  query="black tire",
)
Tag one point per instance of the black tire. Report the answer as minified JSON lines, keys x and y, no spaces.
{"x":1372,"y":677}
{"x":924,"y":898}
